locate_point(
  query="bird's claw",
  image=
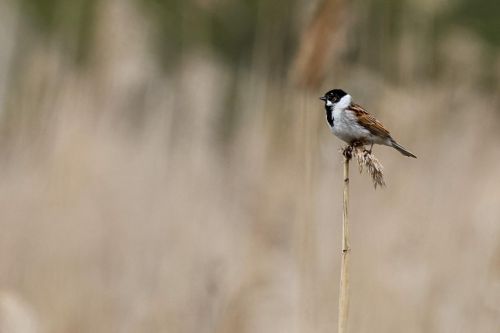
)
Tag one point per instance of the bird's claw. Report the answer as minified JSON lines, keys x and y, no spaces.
{"x":347,"y":151}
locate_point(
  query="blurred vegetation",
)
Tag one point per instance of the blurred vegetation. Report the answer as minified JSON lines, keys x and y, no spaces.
{"x":70,"y":21}
{"x":265,"y":35}
{"x":480,"y":16}
{"x":231,"y":29}
{"x":204,"y":197}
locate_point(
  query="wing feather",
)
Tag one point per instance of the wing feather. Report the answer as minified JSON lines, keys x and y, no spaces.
{"x":369,"y":122}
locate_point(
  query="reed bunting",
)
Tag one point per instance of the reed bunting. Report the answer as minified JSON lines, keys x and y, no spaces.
{"x":352,"y":124}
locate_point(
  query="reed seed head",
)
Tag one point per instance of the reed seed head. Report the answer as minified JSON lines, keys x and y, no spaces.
{"x":366,"y":160}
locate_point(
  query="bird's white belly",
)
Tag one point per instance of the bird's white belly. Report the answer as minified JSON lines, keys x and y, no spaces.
{"x":346,"y":128}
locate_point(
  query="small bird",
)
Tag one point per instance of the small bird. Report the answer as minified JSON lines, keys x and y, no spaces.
{"x":352,"y":124}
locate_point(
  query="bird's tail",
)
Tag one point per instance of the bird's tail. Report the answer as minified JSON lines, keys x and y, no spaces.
{"x":401,"y":149}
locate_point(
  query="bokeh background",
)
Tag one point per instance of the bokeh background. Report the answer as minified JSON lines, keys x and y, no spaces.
{"x":165,"y":166}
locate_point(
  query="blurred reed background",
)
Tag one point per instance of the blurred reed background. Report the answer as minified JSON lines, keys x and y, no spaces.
{"x":165,"y":166}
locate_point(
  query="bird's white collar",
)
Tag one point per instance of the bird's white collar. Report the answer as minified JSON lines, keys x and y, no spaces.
{"x":344,"y":102}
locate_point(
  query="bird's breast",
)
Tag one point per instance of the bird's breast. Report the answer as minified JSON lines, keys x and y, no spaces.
{"x":346,"y":127}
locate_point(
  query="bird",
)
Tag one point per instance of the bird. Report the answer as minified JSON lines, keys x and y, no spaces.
{"x":351,"y":123}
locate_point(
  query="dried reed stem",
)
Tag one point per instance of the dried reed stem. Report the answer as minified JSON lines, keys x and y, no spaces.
{"x":365,"y":160}
{"x":346,"y":249}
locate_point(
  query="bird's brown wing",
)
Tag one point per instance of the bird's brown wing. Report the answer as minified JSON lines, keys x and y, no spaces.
{"x":369,"y":122}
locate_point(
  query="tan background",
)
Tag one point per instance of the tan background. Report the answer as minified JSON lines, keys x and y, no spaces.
{"x":166,"y":166}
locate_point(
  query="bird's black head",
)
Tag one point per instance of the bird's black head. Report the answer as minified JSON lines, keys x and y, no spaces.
{"x":333,"y":96}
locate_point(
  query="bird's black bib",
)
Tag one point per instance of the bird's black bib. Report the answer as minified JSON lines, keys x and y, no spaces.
{"x":329,"y":116}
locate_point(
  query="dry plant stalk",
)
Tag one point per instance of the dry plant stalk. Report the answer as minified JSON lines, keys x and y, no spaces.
{"x":346,"y":249}
{"x":314,"y":55}
{"x":365,"y":160}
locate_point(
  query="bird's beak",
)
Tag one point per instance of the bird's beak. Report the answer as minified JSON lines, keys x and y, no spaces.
{"x":323,"y":98}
